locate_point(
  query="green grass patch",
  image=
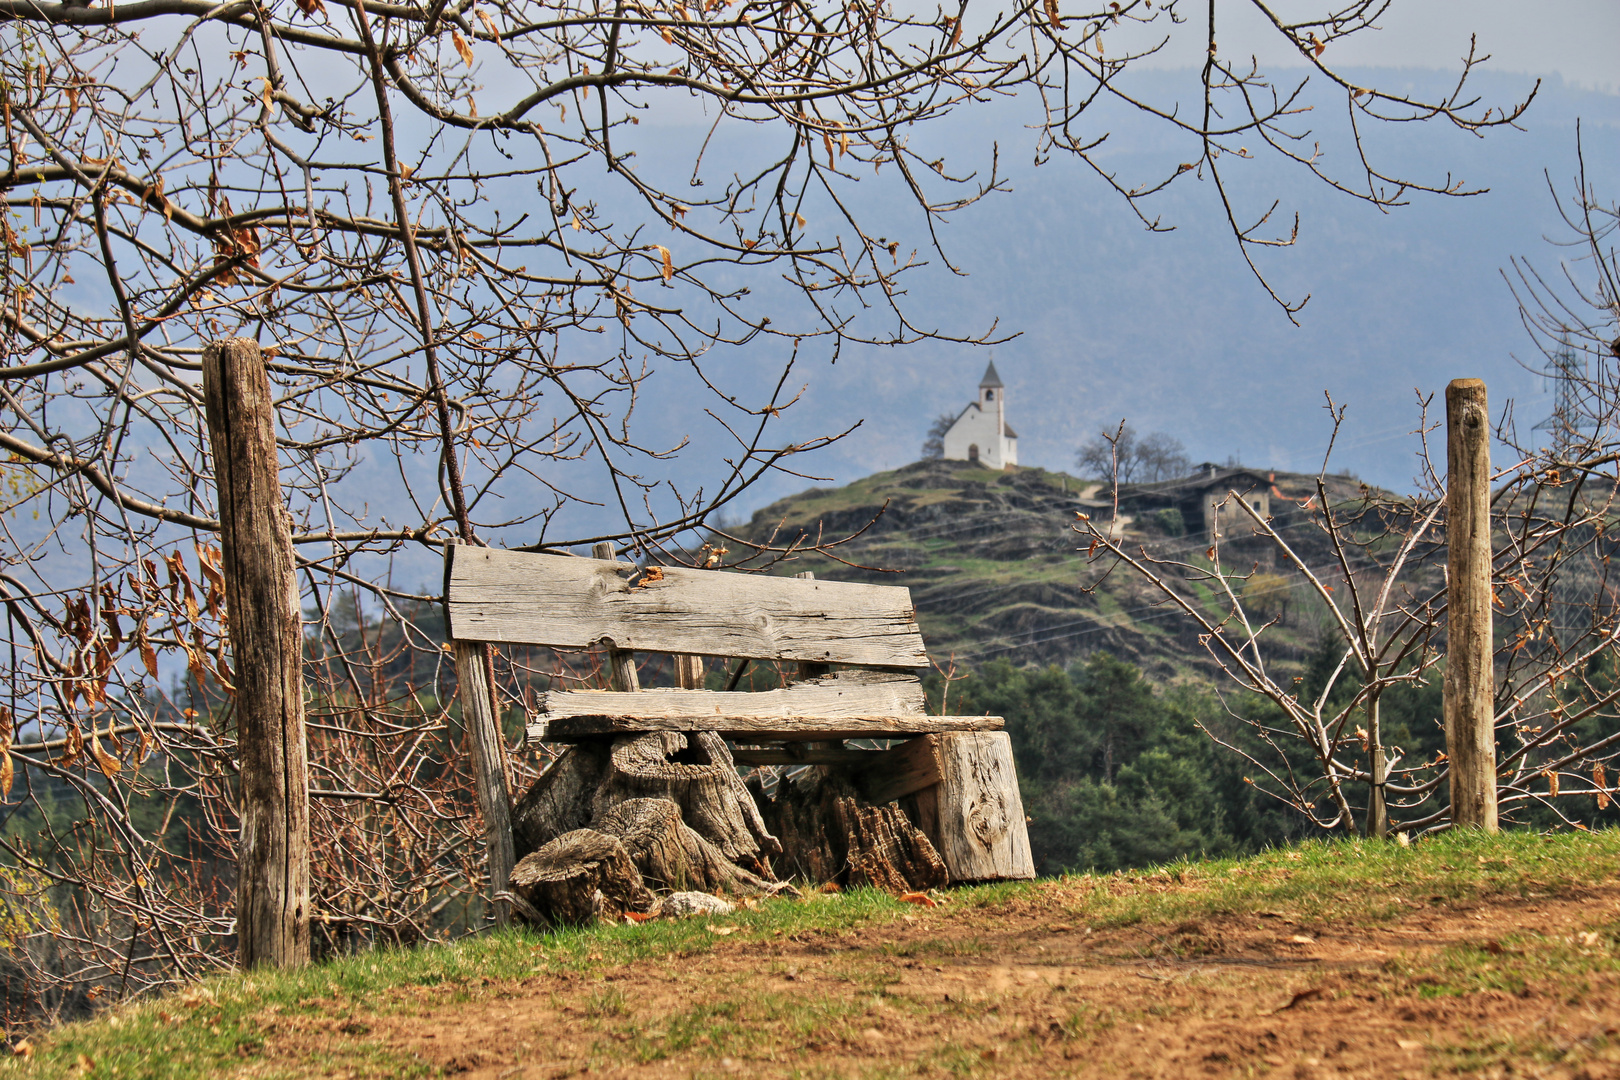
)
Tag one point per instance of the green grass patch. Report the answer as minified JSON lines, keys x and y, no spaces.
{"x":225,"y":1022}
{"x":1351,"y":881}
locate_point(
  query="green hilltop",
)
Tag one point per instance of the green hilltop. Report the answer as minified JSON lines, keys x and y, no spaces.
{"x":997,"y":568}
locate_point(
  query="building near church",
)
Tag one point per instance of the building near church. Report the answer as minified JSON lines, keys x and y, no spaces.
{"x":981,"y":433}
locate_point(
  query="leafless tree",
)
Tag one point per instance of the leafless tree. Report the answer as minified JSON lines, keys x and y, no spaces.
{"x":358,"y":184}
{"x":933,"y":447}
{"x":1118,"y":456}
{"x":1380,"y":590}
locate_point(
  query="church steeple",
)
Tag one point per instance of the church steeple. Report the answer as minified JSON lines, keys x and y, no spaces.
{"x":992,"y":393}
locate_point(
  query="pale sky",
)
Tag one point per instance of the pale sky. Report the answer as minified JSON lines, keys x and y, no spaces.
{"x":1578,"y":39}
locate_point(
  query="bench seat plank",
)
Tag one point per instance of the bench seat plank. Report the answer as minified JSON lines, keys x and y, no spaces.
{"x":848,"y":693}
{"x":761,"y":729}
{"x":566,"y":602}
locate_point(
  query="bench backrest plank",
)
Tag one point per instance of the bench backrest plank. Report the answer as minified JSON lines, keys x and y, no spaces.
{"x":566,"y":602}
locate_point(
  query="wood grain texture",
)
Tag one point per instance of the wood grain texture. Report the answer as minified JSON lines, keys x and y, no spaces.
{"x":261,"y":594}
{"x":757,"y":729}
{"x":621,"y":663}
{"x":489,"y":767}
{"x":689,"y":672}
{"x":849,"y":693}
{"x":1469,"y":688}
{"x":981,"y":831}
{"x":571,"y":603}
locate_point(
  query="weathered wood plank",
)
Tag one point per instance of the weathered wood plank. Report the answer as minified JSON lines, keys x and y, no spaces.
{"x":981,"y":829}
{"x":849,"y":693}
{"x":571,"y":603}
{"x":489,"y":767}
{"x":267,"y":650}
{"x":763,"y":729}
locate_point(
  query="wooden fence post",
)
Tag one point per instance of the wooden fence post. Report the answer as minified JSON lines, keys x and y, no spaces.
{"x":267,"y":650}
{"x":621,"y":663}
{"x":1469,"y":686}
{"x":489,"y":760}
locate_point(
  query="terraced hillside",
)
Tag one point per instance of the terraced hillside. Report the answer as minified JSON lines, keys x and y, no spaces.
{"x":997,"y":569}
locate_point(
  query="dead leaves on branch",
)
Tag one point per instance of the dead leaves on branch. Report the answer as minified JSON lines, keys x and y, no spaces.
{"x":180,"y":613}
{"x":235,"y":248}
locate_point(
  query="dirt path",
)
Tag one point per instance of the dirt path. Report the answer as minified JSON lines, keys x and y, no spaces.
{"x":1503,"y":988}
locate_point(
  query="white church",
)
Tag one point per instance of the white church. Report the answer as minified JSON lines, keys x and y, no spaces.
{"x":981,"y":433}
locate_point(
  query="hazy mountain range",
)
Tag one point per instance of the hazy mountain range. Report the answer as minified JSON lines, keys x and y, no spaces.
{"x":1172,"y":332}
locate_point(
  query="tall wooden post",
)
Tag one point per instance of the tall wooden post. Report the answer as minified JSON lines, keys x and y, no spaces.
{"x":490,"y":779}
{"x":1469,"y":690}
{"x":261,"y":592}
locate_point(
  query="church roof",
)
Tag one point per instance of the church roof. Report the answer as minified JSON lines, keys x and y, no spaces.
{"x":990,"y":376}
{"x":1009,"y":432}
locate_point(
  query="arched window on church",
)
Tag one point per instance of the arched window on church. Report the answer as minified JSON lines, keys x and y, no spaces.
{"x":989,"y":395}
{"x":973,"y":452}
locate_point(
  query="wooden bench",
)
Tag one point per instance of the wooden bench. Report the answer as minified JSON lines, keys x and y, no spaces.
{"x":955,"y":772}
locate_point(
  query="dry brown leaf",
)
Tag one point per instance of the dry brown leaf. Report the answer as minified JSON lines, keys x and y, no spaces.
{"x":462,"y":47}
{"x":489,"y":23}
{"x":722,"y":930}
{"x":669,"y":264}
{"x":669,"y":39}
{"x":920,"y":899}
{"x":6,"y":773}
{"x":75,"y":747}
{"x":1052,"y":15}
{"x":110,"y":766}
{"x":1601,"y":782}
{"x":311,"y":8}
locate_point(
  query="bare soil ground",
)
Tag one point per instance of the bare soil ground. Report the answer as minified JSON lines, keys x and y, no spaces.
{"x":1505,"y":986}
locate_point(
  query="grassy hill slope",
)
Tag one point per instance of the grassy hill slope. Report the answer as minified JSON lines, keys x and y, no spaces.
{"x":1481,"y":955}
{"x":997,"y":570}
